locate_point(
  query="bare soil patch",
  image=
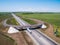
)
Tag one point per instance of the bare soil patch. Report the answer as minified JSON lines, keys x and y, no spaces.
{"x":21,"y":38}
{"x":48,"y":31}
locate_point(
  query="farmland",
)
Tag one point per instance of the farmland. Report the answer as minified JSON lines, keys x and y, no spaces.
{"x":52,"y":18}
{"x":29,"y":21}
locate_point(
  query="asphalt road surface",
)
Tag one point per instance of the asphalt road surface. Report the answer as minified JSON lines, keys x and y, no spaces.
{"x":37,"y":36}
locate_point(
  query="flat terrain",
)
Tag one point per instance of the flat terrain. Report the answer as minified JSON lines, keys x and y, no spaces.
{"x":53,"y":20}
{"x":5,"y":40}
{"x":12,"y":21}
{"x":3,"y":16}
{"x":49,"y":31}
{"x":20,"y":38}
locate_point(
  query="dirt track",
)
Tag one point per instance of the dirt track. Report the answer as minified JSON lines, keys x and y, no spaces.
{"x":48,"y":31}
{"x":18,"y":37}
{"x":21,"y":38}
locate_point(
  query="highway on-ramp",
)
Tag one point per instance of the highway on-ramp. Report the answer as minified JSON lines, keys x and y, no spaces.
{"x":37,"y":36}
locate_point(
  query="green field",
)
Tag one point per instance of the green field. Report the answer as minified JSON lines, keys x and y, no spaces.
{"x":52,"y":18}
{"x":29,"y":21}
{"x":12,"y":21}
{"x":4,"y":15}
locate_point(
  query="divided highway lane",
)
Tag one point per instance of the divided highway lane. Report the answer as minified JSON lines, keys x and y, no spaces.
{"x":37,"y":36}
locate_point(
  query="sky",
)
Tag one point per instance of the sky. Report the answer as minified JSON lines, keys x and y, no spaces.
{"x":30,"y":5}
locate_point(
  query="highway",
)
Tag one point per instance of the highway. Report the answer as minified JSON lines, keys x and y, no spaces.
{"x":37,"y":36}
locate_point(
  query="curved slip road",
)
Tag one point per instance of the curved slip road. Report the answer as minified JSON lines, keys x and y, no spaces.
{"x":38,"y":37}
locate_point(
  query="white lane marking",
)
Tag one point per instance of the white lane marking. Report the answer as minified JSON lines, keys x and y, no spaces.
{"x":40,"y":38}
